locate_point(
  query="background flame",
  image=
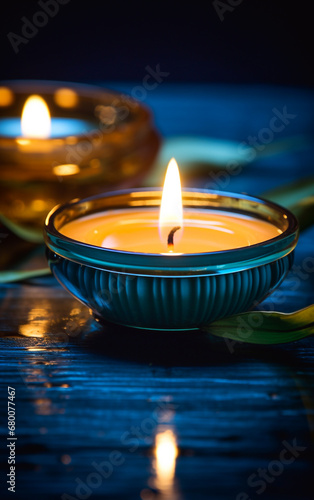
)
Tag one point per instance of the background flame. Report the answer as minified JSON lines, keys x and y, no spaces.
{"x":36,"y":122}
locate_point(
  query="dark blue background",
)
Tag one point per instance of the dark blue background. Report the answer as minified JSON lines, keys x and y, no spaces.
{"x":257,"y":42}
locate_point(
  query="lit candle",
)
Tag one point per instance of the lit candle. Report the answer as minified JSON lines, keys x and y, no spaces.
{"x":36,"y":123}
{"x":34,"y":153}
{"x":170,"y":229}
{"x":62,"y":142}
{"x":137,"y":258}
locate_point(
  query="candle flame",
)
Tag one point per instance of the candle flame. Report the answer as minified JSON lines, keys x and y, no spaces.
{"x":36,"y":122}
{"x":171,"y":210}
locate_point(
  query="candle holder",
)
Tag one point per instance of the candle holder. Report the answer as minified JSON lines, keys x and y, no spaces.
{"x":99,"y":140}
{"x":170,"y":292}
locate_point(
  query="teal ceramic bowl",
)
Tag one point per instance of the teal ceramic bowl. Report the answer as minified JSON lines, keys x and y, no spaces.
{"x":161,"y":292}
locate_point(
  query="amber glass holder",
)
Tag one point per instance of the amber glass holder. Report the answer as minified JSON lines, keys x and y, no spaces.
{"x":116,"y":151}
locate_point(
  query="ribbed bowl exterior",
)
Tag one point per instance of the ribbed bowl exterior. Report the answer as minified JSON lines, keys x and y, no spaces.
{"x":168,"y":303}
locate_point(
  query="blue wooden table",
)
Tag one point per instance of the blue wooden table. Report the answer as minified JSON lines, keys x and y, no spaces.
{"x":111,"y":413}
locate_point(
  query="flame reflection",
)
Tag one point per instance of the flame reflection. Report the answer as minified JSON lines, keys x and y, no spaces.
{"x":66,"y":98}
{"x":164,"y":467}
{"x":6,"y":96}
{"x":166,"y":452}
{"x":36,"y":324}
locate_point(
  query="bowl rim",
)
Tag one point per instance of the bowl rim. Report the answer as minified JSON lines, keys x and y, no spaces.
{"x":149,"y":264}
{"x":87,"y":90}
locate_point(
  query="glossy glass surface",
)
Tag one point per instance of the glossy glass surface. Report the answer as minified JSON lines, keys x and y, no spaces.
{"x":159,"y":292}
{"x":185,"y":264}
{"x":100,"y":140}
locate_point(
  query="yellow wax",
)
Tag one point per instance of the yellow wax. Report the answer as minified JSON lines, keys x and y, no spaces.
{"x":136,"y":230}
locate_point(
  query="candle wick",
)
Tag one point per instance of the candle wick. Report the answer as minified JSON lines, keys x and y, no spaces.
{"x":171,"y":236}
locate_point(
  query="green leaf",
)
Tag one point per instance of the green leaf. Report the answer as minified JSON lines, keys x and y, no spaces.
{"x":263,"y":327}
{"x":293,"y":193}
{"x":297,"y":197}
{"x":30,"y":234}
{"x":12,"y":276}
{"x":197,"y":154}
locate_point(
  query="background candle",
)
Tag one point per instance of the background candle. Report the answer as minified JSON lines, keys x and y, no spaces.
{"x":136,"y":230}
{"x":36,"y":122}
{"x":88,"y":148}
